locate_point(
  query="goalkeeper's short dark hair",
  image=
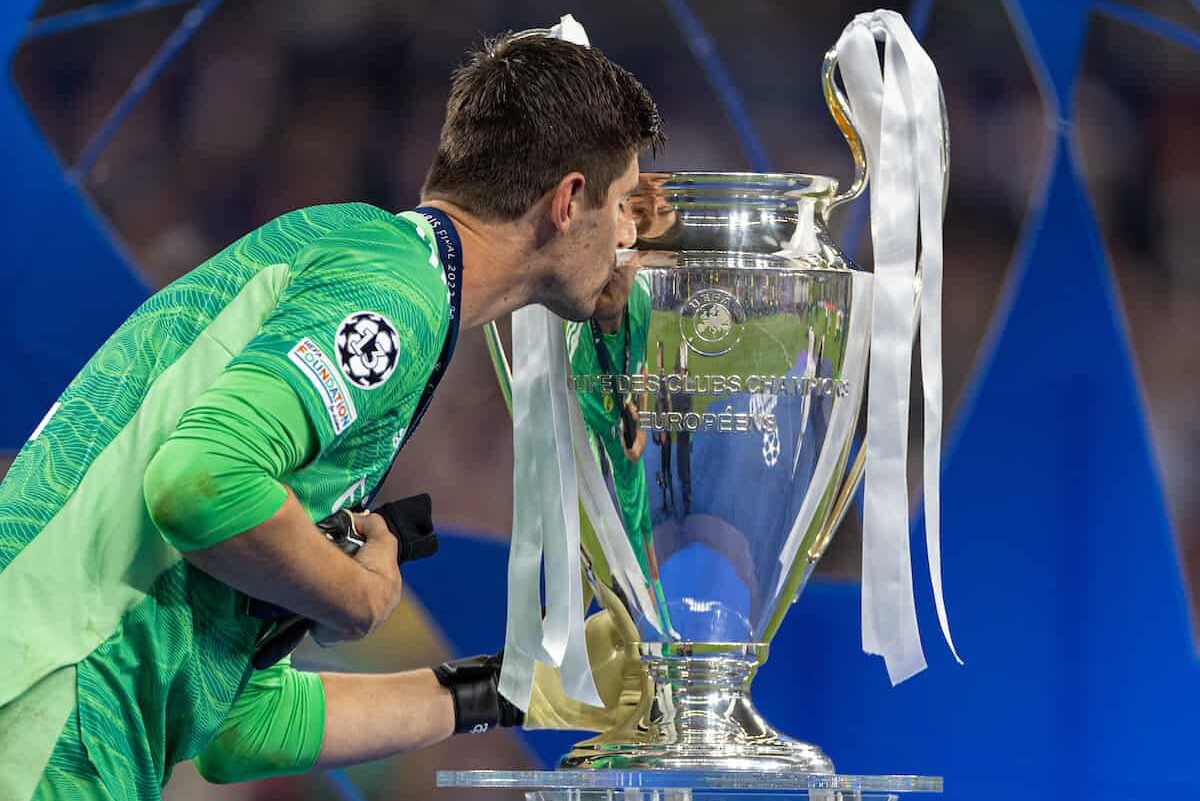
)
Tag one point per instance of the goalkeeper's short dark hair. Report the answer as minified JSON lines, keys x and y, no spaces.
{"x":524,"y":110}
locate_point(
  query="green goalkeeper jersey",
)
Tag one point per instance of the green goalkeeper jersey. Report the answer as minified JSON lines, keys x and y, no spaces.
{"x":348,"y":304}
{"x":603,"y":418}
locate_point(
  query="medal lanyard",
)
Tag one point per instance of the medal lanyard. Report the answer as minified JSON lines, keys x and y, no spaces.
{"x":450,"y":255}
{"x":602,"y":352}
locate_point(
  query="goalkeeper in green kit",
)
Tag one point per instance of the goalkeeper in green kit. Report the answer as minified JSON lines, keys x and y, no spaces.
{"x":181,"y":473}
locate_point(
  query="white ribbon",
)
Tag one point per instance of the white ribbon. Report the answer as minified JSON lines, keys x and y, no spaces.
{"x":545,"y":529}
{"x":569,"y":30}
{"x":898,"y":113}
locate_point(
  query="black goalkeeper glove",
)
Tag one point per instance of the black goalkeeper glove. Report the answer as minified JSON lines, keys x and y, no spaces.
{"x":409,"y":519}
{"x":478,"y":705}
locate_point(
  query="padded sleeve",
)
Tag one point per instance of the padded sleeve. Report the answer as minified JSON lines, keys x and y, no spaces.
{"x":274,"y":728}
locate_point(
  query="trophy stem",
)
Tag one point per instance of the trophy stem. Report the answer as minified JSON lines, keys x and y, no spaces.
{"x":698,"y":715}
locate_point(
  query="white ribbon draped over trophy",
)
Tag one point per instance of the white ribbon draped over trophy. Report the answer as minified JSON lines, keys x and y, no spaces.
{"x":546,"y":495}
{"x":898,"y":113}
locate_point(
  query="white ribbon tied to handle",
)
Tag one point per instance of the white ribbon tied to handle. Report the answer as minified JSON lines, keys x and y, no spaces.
{"x":545,"y":531}
{"x":899,"y":114}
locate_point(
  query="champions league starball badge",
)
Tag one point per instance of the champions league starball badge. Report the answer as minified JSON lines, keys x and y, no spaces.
{"x":367,"y":349}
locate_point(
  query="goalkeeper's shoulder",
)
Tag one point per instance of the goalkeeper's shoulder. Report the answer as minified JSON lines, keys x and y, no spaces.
{"x":378,"y":238}
{"x":387,"y":256}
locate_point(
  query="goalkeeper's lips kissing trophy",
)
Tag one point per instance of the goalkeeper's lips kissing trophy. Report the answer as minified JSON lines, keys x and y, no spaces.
{"x":761,"y":339}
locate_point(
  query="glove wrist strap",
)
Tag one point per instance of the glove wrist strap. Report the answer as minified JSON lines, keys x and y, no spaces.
{"x":478,"y":705}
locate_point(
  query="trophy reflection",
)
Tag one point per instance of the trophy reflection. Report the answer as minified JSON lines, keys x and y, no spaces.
{"x":613,"y":343}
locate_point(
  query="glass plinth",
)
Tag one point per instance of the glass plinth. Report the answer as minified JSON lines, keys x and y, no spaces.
{"x":680,"y":785}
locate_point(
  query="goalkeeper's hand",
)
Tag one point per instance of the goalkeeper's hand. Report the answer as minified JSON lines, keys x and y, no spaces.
{"x":396,"y":532}
{"x":622,"y":684}
{"x":479,"y":707}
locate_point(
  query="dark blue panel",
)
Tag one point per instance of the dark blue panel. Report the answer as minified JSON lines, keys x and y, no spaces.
{"x":66,"y":285}
{"x":1057,"y":31}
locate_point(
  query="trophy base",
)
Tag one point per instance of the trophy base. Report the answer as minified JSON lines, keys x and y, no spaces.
{"x":688,"y":794}
{"x":698,"y":716}
{"x":694,"y":785}
{"x":772,"y":753}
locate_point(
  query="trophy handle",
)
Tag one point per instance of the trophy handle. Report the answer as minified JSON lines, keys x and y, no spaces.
{"x":839,"y":107}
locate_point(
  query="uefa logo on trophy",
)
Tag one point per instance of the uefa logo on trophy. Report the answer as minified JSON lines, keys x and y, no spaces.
{"x":711,"y":322}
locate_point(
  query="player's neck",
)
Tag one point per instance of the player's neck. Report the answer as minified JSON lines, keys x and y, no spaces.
{"x":611,"y":325}
{"x":496,"y":275}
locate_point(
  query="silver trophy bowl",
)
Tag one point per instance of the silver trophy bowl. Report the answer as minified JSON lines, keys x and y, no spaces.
{"x":754,"y":352}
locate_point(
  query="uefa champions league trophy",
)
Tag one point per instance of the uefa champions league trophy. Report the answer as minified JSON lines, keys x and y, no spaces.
{"x":746,"y":368}
{"x":756,"y":354}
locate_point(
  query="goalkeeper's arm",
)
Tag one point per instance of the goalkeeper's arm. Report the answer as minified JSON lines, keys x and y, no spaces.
{"x":287,"y":722}
{"x":214,"y":490}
